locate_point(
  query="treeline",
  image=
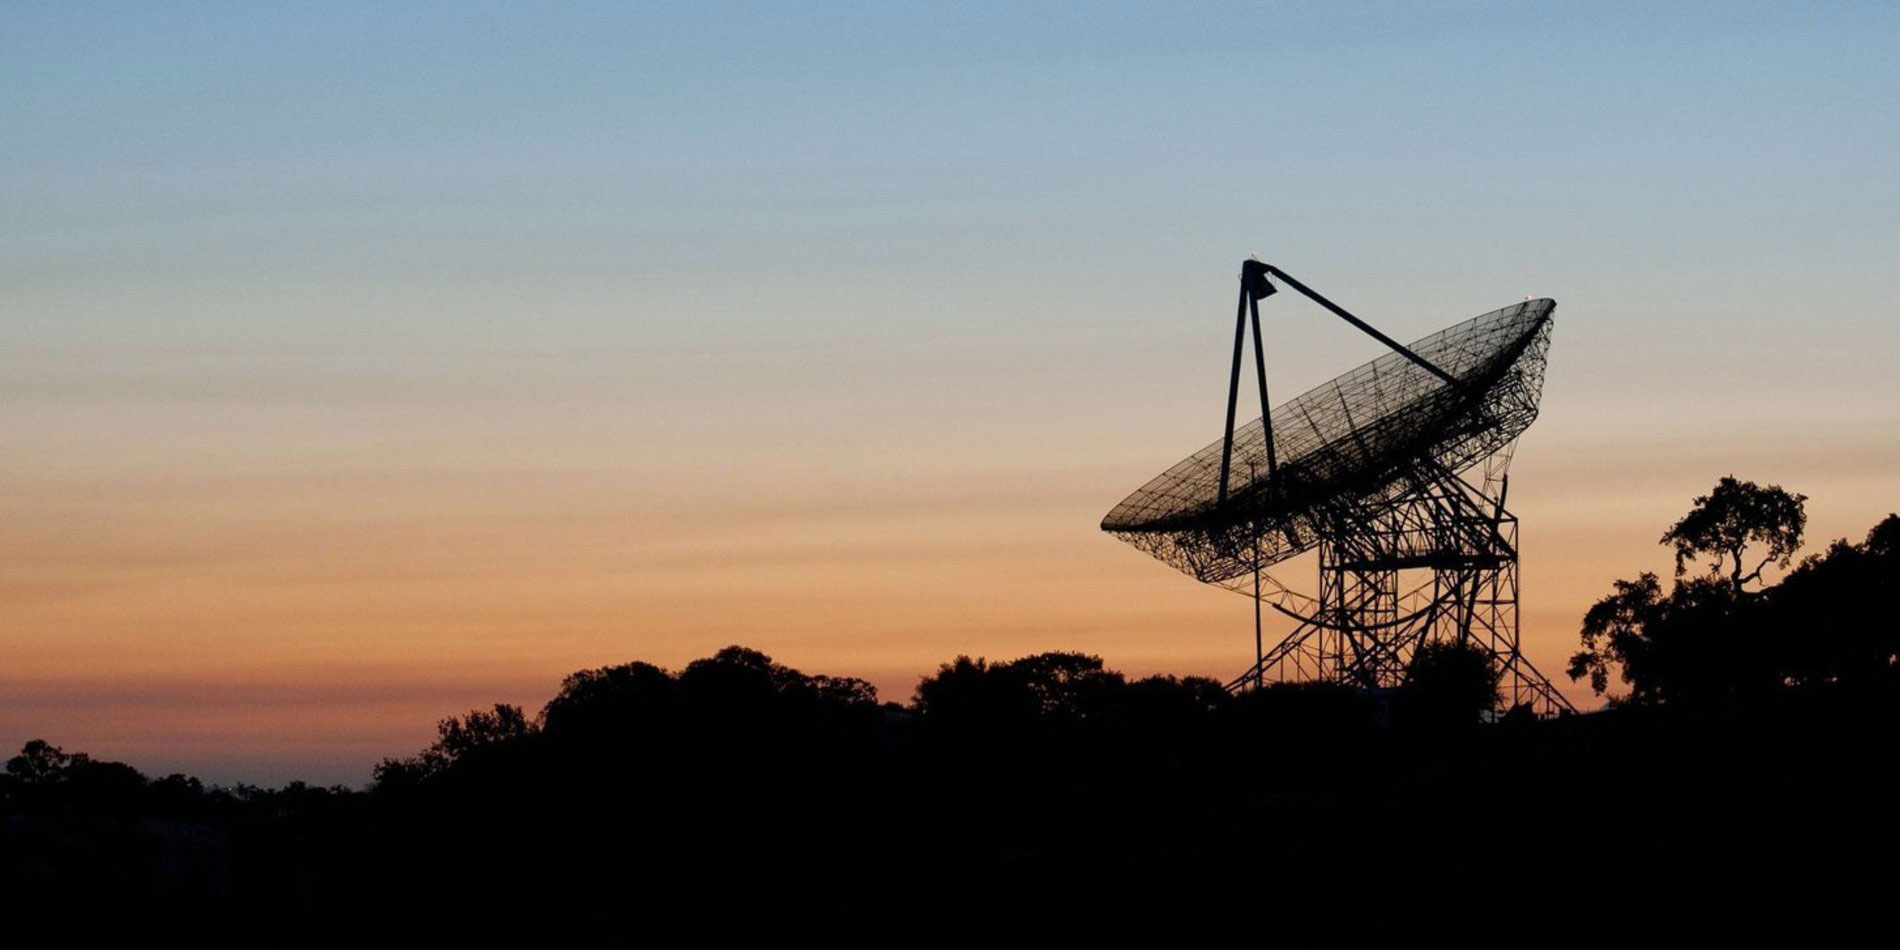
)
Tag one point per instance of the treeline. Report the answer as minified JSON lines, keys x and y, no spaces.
{"x":738,"y":774}
{"x":738,"y":779}
{"x":1756,"y":734}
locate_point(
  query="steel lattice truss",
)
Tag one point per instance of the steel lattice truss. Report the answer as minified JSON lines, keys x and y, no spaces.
{"x":1397,"y":477}
{"x":1353,"y":441}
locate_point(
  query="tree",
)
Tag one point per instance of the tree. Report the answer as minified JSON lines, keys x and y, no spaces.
{"x":1842,"y":603}
{"x":1728,"y":520}
{"x":1615,"y":632}
{"x":1698,"y":643}
{"x":611,"y":699}
{"x":1704,"y":640}
{"x":41,"y":761}
{"x":976,"y":694}
{"x":1449,"y":682}
{"x":1042,"y":689}
{"x":457,"y":739}
{"x":1069,"y":687}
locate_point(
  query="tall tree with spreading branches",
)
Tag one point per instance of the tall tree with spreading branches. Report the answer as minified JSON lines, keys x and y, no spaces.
{"x":1727,"y":522}
{"x":1691,"y":643}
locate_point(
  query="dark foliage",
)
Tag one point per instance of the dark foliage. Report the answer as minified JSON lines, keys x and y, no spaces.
{"x":1714,"y":641}
{"x":1838,"y":616}
{"x":1734,"y":517}
{"x":1448,"y":684}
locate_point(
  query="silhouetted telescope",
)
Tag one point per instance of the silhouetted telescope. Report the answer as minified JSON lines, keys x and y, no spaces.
{"x":1395,"y":472}
{"x":1444,"y":403}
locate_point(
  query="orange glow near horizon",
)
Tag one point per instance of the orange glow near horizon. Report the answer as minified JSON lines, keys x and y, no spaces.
{"x":266,"y":626}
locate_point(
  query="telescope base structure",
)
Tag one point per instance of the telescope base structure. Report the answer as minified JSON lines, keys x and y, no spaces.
{"x":1438,"y":564}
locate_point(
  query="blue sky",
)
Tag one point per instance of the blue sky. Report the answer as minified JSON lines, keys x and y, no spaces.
{"x":975,"y":148}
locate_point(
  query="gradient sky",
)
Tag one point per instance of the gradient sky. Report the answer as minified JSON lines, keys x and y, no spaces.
{"x":367,"y":363}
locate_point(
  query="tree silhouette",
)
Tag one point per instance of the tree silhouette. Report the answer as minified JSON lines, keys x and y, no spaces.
{"x":1043,"y":690}
{"x":477,"y":729}
{"x":457,"y":739}
{"x":1449,"y":683}
{"x":1616,"y":633}
{"x":39,"y":762}
{"x":1698,"y":643}
{"x":609,"y":699}
{"x":1708,"y":639}
{"x":1727,"y":521}
{"x":1839,"y":609}
{"x":1069,"y":687}
{"x":971,"y":692}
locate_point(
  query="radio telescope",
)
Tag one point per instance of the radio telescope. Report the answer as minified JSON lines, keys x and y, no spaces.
{"x":1395,"y":473}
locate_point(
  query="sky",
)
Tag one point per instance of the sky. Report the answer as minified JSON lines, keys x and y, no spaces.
{"x":364,"y":364}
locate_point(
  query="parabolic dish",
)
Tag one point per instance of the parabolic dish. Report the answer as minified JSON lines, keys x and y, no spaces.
{"x":1358,"y":440}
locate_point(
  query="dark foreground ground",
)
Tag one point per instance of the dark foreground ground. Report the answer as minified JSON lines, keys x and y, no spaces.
{"x":1730,"y":812}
